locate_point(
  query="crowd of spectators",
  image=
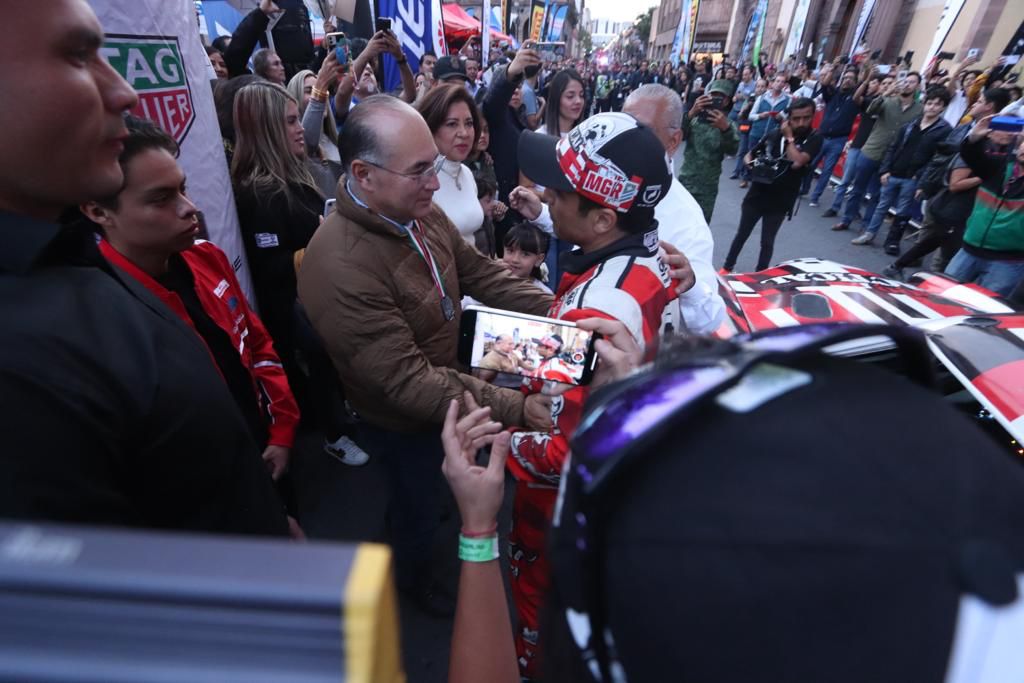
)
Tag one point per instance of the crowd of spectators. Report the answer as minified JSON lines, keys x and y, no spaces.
{"x":141,"y":387}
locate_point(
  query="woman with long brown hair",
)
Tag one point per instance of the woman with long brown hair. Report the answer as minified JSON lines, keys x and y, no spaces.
{"x":279,"y":209}
{"x":279,"y":204}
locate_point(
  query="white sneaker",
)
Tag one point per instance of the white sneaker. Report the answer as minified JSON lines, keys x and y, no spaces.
{"x":863,"y":238}
{"x":345,"y":451}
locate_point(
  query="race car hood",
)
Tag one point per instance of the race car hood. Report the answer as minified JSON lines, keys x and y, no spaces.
{"x":806,"y":291}
{"x":986,"y":354}
{"x":973,"y":333}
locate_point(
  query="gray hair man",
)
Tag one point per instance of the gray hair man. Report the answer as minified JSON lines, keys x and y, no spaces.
{"x":680,"y":219}
{"x":382,"y":282}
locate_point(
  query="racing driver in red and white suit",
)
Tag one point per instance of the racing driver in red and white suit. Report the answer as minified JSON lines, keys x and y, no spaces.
{"x":603,"y":182}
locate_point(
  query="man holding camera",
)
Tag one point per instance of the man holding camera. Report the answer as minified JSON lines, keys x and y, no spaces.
{"x":777,"y":164}
{"x":710,"y":135}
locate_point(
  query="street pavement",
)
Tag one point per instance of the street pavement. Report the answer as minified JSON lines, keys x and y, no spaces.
{"x":806,"y":235}
{"x":342,"y":503}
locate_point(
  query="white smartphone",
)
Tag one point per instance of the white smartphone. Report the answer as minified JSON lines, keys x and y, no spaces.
{"x":973,"y":52}
{"x":329,"y":206}
{"x":544,"y":348}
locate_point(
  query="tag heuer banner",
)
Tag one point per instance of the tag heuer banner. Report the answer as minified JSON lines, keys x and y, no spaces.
{"x":155,"y":45}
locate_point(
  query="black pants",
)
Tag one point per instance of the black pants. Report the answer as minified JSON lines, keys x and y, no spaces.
{"x":771,"y":220}
{"x":413,"y":465}
{"x":933,"y":236}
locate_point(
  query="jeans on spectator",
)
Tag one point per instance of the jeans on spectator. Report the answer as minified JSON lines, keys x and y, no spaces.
{"x":865,"y":180}
{"x":741,"y":168}
{"x":849,"y":169}
{"x":831,"y":150}
{"x":771,"y":220}
{"x":413,"y":465}
{"x":999,"y":276}
{"x":898,"y":193}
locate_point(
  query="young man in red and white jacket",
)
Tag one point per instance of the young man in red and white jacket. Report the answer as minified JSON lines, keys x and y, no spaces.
{"x":150,"y":231}
{"x":603,"y":182}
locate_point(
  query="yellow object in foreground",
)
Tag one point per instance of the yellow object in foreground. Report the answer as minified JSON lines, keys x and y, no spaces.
{"x":370,"y":621}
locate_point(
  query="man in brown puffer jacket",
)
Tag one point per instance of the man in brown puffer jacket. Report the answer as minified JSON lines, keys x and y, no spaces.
{"x":381,"y":282}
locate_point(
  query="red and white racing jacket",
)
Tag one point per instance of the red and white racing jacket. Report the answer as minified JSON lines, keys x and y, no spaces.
{"x":224,"y":301}
{"x":626,"y":281}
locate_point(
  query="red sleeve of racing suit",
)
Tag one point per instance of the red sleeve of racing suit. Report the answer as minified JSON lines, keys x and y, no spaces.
{"x":537,"y":457}
{"x":267,"y":371}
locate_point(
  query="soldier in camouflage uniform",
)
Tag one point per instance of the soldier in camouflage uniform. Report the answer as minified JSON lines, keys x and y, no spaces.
{"x":710,"y":135}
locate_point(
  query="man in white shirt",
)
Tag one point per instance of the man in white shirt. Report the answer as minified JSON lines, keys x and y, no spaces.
{"x":959,"y":82}
{"x":680,"y":219}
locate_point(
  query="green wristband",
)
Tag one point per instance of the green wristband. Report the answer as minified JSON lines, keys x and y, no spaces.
{"x":478,"y":549}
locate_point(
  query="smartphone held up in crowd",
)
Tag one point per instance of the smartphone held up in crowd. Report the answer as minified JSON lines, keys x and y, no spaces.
{"x":526,"y":345}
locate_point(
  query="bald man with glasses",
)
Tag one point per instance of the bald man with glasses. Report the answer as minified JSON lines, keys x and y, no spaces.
{"x":382,"y":281}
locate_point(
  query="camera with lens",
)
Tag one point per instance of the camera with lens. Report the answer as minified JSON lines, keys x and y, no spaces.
{"x":770,"y":164}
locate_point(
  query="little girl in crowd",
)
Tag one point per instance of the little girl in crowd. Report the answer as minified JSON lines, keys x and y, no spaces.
{"x":526,"y":245}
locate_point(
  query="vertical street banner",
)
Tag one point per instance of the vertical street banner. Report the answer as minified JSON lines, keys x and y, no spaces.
{"x":419,"y":26}
{"x":155,"y":46}
{"x":1015,"y":48}
{"x":694,"y":17}
{"x":753,"y":29}
{"x":557,"y":23}
{"x":485,"y":33}
{"x":545,"y":25}
{"x":682,"y":42}
{"x":950,"y":13}
{"x":756,"y":59}
{"x":796,"y":31}
{"x":536,"y":19}
{"x":862,"y":24}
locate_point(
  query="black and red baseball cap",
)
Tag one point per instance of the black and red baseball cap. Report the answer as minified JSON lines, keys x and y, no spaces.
{"x":611,"y":159}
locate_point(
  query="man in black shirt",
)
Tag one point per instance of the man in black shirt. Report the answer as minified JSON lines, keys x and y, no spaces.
{"x":793,"y":144}
{"x":865,"y":94}
{"x":841,"y":109}
{"x":112,"y":410}
{"x":906,"y":158}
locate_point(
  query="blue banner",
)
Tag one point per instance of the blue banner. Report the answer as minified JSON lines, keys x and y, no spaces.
{"x":557,"y":22}
{"x":420,"y":28}
{"x":752,"y":29}
{"x":681,"y":42}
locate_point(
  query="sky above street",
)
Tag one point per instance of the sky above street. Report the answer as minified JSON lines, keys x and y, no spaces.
{"x":618,"y":10}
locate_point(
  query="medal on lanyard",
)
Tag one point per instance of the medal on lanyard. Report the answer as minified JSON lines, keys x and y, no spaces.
{"x":419,"y":242}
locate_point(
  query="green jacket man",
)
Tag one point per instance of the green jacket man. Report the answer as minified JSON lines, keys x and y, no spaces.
{"x":710,"y":135}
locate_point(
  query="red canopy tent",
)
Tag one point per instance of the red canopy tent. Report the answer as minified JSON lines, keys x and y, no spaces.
{"x":460,"y":26}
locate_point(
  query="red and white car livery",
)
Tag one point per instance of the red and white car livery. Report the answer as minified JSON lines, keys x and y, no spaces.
{"x":975,"y":335}
{"x":810,"y":290}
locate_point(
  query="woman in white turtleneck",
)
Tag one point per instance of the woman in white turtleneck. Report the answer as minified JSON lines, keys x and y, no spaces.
{"x":454,"y":120}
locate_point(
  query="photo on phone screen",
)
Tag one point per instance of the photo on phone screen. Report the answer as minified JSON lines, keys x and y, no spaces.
{"x":520,"y":345}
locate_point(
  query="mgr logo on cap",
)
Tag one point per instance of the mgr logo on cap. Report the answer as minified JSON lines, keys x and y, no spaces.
{"x":154,"y":67}
{"x":583,"y":156}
